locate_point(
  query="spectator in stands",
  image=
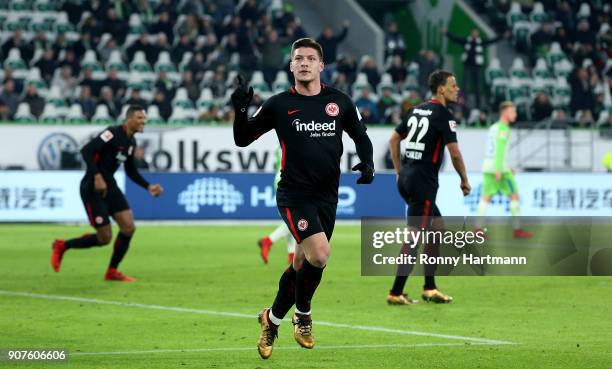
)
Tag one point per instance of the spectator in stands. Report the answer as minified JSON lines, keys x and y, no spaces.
{"x":34,"y":100}
{"x":93,"y":29}
{"x":61,"y":43}
{"x":191,"y":7}
{"x":143,"y":44}
{"x":84,"y":43}
{"x":564,"y":40}
{"x":584,"y":118}
{"x":394,"y":41}
{"x":397,"y":70}
{"x":88,"y":80}
{"x":541,"y":108}
{"x":87,"y":102}
{"x":167,"y":6}
{"x":341,"y":83}
{"x":165,"y":85}
{"x":329,"y":41}
{"x":428,"y":62}
{"x":473,"y":59}
{"x":47,"y":65}
{"x":17,"y":42}
{"x":190,"y":27}
{"x":40,"y":42}
{"x":565,"y":14}
{"x":217,"y":85}
{"x":161,"y":44}
{"x":136,"y":99}
{"x":162,"y":101}
{"x":541,"y":39}
{"x":197,"y":66}
{"x":65,"y":81}
{"x":584,"y":34}
{"x":70,"y":61}
{"x":193,"y":90}
{"x":347,"y":66}
{"x":366,"y":102}
{"x":294,"y":31}
{"x":184,"y":45}
{"x":386,"y":105}
{"x":582,"y":98}
{"x":250,"y":11}
{"x":113,"y":24}
{"x":107,"y":98}
{"x":106,"y":51}
{"x":370,"y":69}
{"x":271,"y":49}
{"x":164,"y":25}
{"x":117,"y":85}
{"x":212,"y":114}
{"x":10,"y":97}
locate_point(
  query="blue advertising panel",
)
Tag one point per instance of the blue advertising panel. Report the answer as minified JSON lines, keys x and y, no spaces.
{"x":251,"y":196}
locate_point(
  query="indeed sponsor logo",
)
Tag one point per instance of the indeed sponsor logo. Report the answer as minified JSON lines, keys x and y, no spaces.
{"x":422,"y":112}
{"x":316,"y":129}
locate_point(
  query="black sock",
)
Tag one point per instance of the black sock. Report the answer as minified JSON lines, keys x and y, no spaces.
{"x":430,"y":269}
{"x":306,"y":283}
{"x":121,"y":246}
{"x":285,"y":297}
{"x":83,"y":242}
{"x":403,"y":271}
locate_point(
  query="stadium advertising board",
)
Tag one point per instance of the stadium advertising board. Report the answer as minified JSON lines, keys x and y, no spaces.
{"x":50,"y":196}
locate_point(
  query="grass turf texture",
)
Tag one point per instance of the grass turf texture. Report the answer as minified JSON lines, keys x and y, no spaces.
{"x":558,"y":322}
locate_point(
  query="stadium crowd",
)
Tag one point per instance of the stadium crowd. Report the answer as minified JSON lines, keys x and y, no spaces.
{"x":81,"y":61}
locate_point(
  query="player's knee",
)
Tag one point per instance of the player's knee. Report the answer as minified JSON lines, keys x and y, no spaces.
{"x":104,"y":238}
{"x":319,"y":258}
{"x":128,"y":230}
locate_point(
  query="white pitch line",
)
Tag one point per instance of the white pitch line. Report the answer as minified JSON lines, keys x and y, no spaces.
{"x":249,"y":316}
{"x":230,"y":349}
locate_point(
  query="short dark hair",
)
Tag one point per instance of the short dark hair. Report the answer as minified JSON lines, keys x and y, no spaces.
{"x":133,"y":109}
{"x":438,"y":78}
{"x":307,"y":42}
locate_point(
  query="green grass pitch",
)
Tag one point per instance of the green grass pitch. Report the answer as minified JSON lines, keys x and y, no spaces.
{"x":200,"y":288}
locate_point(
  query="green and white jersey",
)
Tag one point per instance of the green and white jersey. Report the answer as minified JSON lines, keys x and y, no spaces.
{"x":497,"y":148}
{"x":277,"y":167}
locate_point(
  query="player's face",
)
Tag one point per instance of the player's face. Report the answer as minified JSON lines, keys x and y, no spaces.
{"x":306,"y":65}
{"x":511,"y":114}
{"x":138,"y":121}
{"x":451,"y":90}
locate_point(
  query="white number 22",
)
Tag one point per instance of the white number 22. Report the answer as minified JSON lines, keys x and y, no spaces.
{"x":423,"y":124}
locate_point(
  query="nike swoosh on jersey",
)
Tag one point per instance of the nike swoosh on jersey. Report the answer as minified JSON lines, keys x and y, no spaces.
{"x":290,"y":112}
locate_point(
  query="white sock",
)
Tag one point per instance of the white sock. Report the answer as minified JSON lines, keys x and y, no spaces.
{"x":291,"y":244}
{"x":480,"y":213}
{"x":515,"y":211}
{"x":276,"y":321}
{"x":299,"y":312}
{"x":280,"y":232}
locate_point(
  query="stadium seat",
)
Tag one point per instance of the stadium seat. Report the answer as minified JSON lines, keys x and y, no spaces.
{"x":281,"y":82}
{"x":153,"y":116}
{"x":258,"y":83}
{"x":494,"y":71}
{"x":40,"y":23}
{"x":562,"y":94}
{"x":50,"y":115}
{"x":541,"y":70}
{"x":20,"y":5}
{"x":44,"y":6}
{"x":182,"y":99}
{"x":18,"y":65}
{"x":181,"y":115}
{"x":517,"y":90}
{"x":361,"y":82}
{"x":62,"y":24}
{"x":515,"y":14}
{"x":164,"y":63}
{"x":584,"y":13}
{"x":75,"y":115}
{"x":538,"y":15}
{"x":521,"y":35}
{"x":413,"y":73}
{"x":102,"y":116}
{"x":231,"y":77}
{"x":139,"y":63}
{"x":555,"y":54}
{"x":563,"y":68}
{"x":537,"y":87}
{"x":90,"y":61}
{"x":518,"y":69}
{"x":15,"y":21}
{"x":386,"y":83}
{"x":116,"y":62}
{"x":205,"y":101}
{"x":135,"y":24}
{"x":185,"y":61}
{"x":23,"y":114}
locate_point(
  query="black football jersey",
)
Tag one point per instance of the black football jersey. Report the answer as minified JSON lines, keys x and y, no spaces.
{"x":107,"y":151}
{"x":429,"y":127}
{"x":309,"y":130}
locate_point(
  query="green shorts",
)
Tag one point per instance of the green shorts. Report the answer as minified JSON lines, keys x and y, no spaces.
{"x":506,"y":186}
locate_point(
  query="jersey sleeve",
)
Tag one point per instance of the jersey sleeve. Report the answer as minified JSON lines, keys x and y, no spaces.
{"x":352,"y":123}
{"x":247,"y":130}
{"x":448,"y":128}
{"x":93,"y":147}
{"x":132,"y":172}
{"x":402,"y":127}
{"x":501,"y":141}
